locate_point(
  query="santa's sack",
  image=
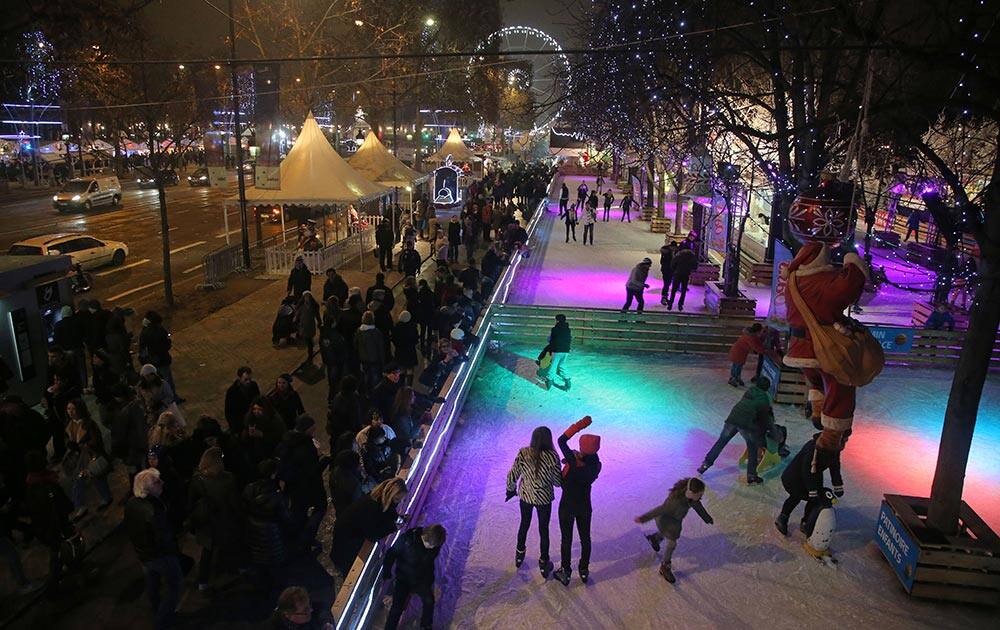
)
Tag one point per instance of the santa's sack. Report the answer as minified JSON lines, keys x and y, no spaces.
{"x":845,"y":350}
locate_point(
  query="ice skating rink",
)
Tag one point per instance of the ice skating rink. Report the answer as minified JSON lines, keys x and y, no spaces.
{"x":657,"y":415}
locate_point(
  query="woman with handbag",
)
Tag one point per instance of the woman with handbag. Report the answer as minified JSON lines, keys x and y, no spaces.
{"x":86,"y":459}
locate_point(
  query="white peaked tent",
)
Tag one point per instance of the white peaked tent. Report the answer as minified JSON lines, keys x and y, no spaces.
{"x":375,"y":162}
{"x":454,"y":147}
{"x":314,"y":174}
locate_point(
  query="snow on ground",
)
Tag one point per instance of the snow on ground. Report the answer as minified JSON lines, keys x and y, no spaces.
{"x":657,"y":415}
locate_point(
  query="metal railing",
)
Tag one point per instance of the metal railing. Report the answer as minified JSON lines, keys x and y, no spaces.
{"x":227,"y":260}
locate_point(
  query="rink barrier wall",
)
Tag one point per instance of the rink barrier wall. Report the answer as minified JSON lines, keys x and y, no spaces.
{"x":363,"y":586}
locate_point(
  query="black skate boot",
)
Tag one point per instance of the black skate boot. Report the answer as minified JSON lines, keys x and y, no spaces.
{"x":654,"y":542}
{"x":782,"y":523}
{"x":703,"y":468}
{"x":584,"y":574}
{"x":667,"y":574}
{"x":753,"y":480}
{"x":545,"y":566}
{"x":519,"y":557}
{"x":563,"y":575}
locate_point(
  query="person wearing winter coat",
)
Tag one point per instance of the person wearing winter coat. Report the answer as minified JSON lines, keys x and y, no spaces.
{"x":470,"y":238}
{"x":299,"y":279}
{"x":404,"y":343}
{"x":684,"y":263}
{"x":268,"y":521}
{"x":684,"y":495}
{"x":384,"y":239}
{"x":749,"y":340}
{"x":154,"y":349}
{"x":377,"y":444}
{"x":413,"y":556}
{"x":427,"y":305}
{"x":345,"y":412}
{"x":559,"y":345}
{"x":609,"y":200}
{"x":333,"y":351}
{"x":68,"y":333}
{"x":334,"y":286}
{"x":636,"y":285}
{"x":589,"y":219}
{"x":803,"y":477}
{"x":285,"y":401}
{"x":308,"y":319}
{"x":536,"y":467}
{"x":129,"y":430}
{"x":751,"y":417}
{"x":301,"y":468}
{"x":215,"y":511}
{"x":119,"y":345}
{"x":153,"y":539}
{"x":369,"y":344}
{"x":372,"y":518}
{"x":667,"y":252}
{"x":239,"y":397}
{"x":563,"y":200}
{"x":581,"y":193}
{"x":580,"y":471}
{"x":626,"y":206}
{"x":454,"y":238}
{"x":155,"y":392}
{"x":410,"y":261}
{"x":47,"y":506}
{"x":86,"y":458}
{"x":345,"y":481}
{"x":571,"y":218}
{"x":262,"y":430}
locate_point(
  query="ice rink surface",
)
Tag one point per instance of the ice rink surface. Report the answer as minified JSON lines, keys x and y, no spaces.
{"x":657,"y":416}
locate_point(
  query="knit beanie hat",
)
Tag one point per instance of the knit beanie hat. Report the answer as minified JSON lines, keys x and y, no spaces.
{"x":590,"y":444}
{"x":457,"y":334}
{"x":646,"y":261}
{"x":303,"y":423}
{"x":404,"y":316}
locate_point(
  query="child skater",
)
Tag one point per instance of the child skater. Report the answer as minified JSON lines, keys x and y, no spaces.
{"x":537,"y":469}
{"x":580,"y":471}
{"x":685,"y":494}
{"x":803,"y":477}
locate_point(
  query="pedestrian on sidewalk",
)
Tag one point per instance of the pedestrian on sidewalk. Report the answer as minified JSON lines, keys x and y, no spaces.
{"x":48,"y":508}
{"x":454,"y":238}
{"x":333,"y":351}
{"x":308,"y":316}
{"x":684,"y":263}
{"x":537,"y":468}
{"x":413,"y":557}
{"x":579,"y":473}
{"x":803,"y":477}
{"x":427,"y":306}
{"x":372,"y":517}
{"x":626,"y":207}
{"x":684,"y":495}
{"x":384,"y":240}
{"x":299,"y":279}
{"x":69,"y":334}
{"x":86,"y":459}
{"x":572,"y":214}
{"x":268,"y":519}
{"x":380,"y":292}
{"x":404,"y":342}
{"x":636,"y":285}
{"x":346,"y":480}
{"x":486,"y":220}
{"x":154,"y":348}
{"x":285,"y":401}
{"x":334,"y":286}
{"x":753,"y":418}
{"x":215,"y":512}
{"x":155,"y":544}
{"x":609,"y":199}
{"x":239,"y":397}
{"x":345,"y":412}
{"x":301,"y":468}
{"x":470,"y":238}
{"x":667,"y":251}
{"x":563,"y":200}
{"x":369,"y":345}
{"x":410,"y":261}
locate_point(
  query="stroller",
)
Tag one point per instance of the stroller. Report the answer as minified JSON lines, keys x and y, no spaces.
{"x":283,"y":328}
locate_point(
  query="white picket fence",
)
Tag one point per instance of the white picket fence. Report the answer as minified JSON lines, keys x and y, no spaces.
{"x":280,"y":258}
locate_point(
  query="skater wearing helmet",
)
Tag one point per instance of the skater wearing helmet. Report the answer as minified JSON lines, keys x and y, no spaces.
{"x":685,"y":494}
{"x":580,"y":471}
{"x":636,"y":284}
{"x":537,"y":468}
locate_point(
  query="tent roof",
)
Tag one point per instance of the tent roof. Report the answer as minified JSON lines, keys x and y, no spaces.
{"x":454,"y":146}
{"x":314,"y":173}
{"x":375,"y":162}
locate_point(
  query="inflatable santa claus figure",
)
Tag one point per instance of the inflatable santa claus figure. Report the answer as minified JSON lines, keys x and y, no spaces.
{"x":827,"y":291}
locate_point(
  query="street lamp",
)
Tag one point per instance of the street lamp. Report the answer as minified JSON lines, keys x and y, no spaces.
{"x":430,"y":21}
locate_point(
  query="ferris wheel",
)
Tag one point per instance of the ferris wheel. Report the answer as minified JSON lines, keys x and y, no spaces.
{"x":517,"y":79}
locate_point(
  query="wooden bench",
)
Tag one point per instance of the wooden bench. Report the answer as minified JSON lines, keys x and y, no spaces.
{"x":660,"y":225}
{"x":705,"y":273}
{"x":647,"y":213}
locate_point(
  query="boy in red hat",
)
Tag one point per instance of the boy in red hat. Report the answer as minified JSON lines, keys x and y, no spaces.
{"x":827,"y":291}
{"x":580,"y":471}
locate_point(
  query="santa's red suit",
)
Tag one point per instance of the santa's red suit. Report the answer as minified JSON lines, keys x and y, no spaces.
{"x":827,"y":291}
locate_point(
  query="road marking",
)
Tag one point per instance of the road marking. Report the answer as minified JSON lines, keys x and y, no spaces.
{"x":198,"y":266}
{"x":122,"y":268}
{"x":223,"y":235}
{"x":135,"y":290}
{"x":188,"y":246}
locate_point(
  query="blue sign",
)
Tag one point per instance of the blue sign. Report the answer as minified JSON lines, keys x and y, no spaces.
{"x":895,"y":340}
{"x":772,"y":371}
{"x":898,"y":548}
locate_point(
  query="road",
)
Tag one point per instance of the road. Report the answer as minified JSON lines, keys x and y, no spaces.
{"x":195,"y":229}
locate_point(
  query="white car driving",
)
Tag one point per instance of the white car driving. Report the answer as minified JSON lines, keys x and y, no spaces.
{"x":83,"y":249}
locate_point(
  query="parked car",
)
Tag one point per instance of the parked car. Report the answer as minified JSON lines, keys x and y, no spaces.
{"x":86,"y":192}
{"x":199,"y":177}
{"x":83,"y":249}
{"x":169,"y":177}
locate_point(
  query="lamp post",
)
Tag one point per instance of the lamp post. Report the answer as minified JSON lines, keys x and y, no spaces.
{"x":241,"y":184}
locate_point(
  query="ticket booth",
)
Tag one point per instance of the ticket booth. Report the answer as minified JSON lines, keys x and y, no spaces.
{"x":32,"y":290}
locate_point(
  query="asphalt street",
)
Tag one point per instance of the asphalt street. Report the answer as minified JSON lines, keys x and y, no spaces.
{"x":195,"y":228}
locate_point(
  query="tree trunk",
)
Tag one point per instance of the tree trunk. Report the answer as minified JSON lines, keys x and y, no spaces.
{"x":678,"y":202}
{"x":651,"y":174}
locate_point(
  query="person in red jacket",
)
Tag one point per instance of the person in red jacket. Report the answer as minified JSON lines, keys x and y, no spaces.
{"x":579,"y":472}
{"x":827,"y":291}
{"x":750,"y":340}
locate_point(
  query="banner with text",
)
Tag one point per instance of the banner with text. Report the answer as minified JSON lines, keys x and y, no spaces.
{"x":267,"y":125}
{"x":776,"y":314}
{"x":215,"y":159}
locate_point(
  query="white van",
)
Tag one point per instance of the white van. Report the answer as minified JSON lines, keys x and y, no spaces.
{"x":83,"y":193}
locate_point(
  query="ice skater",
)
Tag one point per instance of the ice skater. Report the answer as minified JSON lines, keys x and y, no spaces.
{"x":803,"y":477}
{"x":753,"y":418}
{"x":552,"y":359}
{"x":609,"y":199}
{"x":563,"y":200}
{"x":413,"y":555}
{"x":685,"y":494}
{"x":751,"y":339}
{"x":636,"y":285}
{"x":580,"y":471}
{"x":537,"y":468}
{"x":626,"y":207}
